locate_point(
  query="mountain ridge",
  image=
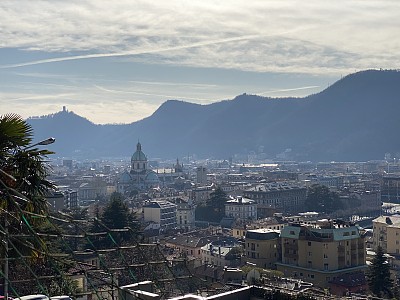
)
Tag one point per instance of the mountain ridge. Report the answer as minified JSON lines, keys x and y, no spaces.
{"x":353,"y":119}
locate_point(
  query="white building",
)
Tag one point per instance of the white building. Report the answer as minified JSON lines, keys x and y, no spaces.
{"x":185,"y":213}
{"x":241,"y":208}
{"x":161,"y":212}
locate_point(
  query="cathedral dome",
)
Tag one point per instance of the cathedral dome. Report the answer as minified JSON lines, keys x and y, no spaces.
{"x":139,"y":155}
{"x":125,"y":178}
{"x":151,"y":178}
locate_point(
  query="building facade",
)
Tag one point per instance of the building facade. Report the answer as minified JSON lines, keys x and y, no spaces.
{"x":185,"y":213}
{"x":277,"y":197}
{"x":321,"y":251}
{"x":241,"y":208}
{"x":386,"y":234}
{"x":160,"y":212}
{"x":201,"y":175}
{"x":390,"y":189}
{"x":262,"y":247}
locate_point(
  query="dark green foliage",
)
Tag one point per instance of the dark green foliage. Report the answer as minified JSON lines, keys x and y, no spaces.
{"x":321,"y":199}
{"x":214,"y":209}
{"x":379,"y":280}
{"x":23,"y":184}
{"x":119,"y":224}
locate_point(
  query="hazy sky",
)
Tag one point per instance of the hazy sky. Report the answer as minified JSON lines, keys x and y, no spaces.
{"x":118,"y":61}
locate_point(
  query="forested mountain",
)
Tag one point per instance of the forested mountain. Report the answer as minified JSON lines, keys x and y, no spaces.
{"x":357,"y":118}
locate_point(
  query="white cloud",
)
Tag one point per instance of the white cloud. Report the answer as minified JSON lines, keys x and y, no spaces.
{"x":354,"y":34}
{"x":322,"y":38}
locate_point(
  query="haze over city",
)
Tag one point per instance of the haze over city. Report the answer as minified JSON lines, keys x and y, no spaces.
{"x":118,"y":62}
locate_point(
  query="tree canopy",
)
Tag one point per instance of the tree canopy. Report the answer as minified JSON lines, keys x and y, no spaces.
{"x":214,"y":208}
{"x":321,"y":199}
{"x":117,"y":216}
{"x":23,"y":182}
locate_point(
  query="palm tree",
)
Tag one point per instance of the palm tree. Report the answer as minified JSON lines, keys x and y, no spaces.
{"x":23,"y":187}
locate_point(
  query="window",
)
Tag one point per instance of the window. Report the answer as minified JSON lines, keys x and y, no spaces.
{"x":325,"y":255}
{"x":326,"y":267}
{"x":291,"y":232}
{"x":309,"y":253}
{"x":309,"y":243}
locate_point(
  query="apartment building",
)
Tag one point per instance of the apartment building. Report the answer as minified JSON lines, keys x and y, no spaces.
{"x":277,"y":197}
{"x":390,"y":189}
{"x":185,"y":213}
{"x":262,"y":247}
{"x":321,"y":251}
{"x":386,"y":233}
{"x":202,"y":194}
{"x":241,"y":208}
{"x":240,"y":227}
{"x":161,"y":212}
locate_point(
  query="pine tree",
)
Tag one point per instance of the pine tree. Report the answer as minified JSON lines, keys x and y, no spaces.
{"x":116,"y":215}
{"x":379,"y":280}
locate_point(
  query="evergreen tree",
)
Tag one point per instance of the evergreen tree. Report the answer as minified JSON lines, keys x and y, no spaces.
{"x":214,"y":210}
{"x":379,"y":280}
{"x":116,"y":215}
{"x":217,"y":202}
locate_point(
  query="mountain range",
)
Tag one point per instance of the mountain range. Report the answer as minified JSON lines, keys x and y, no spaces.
{"x":354,"y":119}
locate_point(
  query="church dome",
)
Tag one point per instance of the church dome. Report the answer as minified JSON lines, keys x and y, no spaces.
{"x":151,"y":178}
{"x":139,"y":155}
{"x":125,"y":178}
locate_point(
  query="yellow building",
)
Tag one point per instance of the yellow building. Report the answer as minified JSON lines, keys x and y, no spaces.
{"x":386,"y":233}
{"x":320,"y":251}
{"x":239,"y":229}
{"x":262,"y":247}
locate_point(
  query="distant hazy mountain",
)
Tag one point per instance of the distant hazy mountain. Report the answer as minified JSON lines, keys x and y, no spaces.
{"x":357,"y":118}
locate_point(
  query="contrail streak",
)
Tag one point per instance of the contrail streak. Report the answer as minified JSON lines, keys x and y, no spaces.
{"x":127,"y":53}
{"x":289,"y":90}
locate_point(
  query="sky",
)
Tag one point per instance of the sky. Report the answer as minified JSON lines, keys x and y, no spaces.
{"x":118,"y":61}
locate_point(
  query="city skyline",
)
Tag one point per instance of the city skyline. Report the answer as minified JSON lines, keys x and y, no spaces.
{"x":118,"y":62}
